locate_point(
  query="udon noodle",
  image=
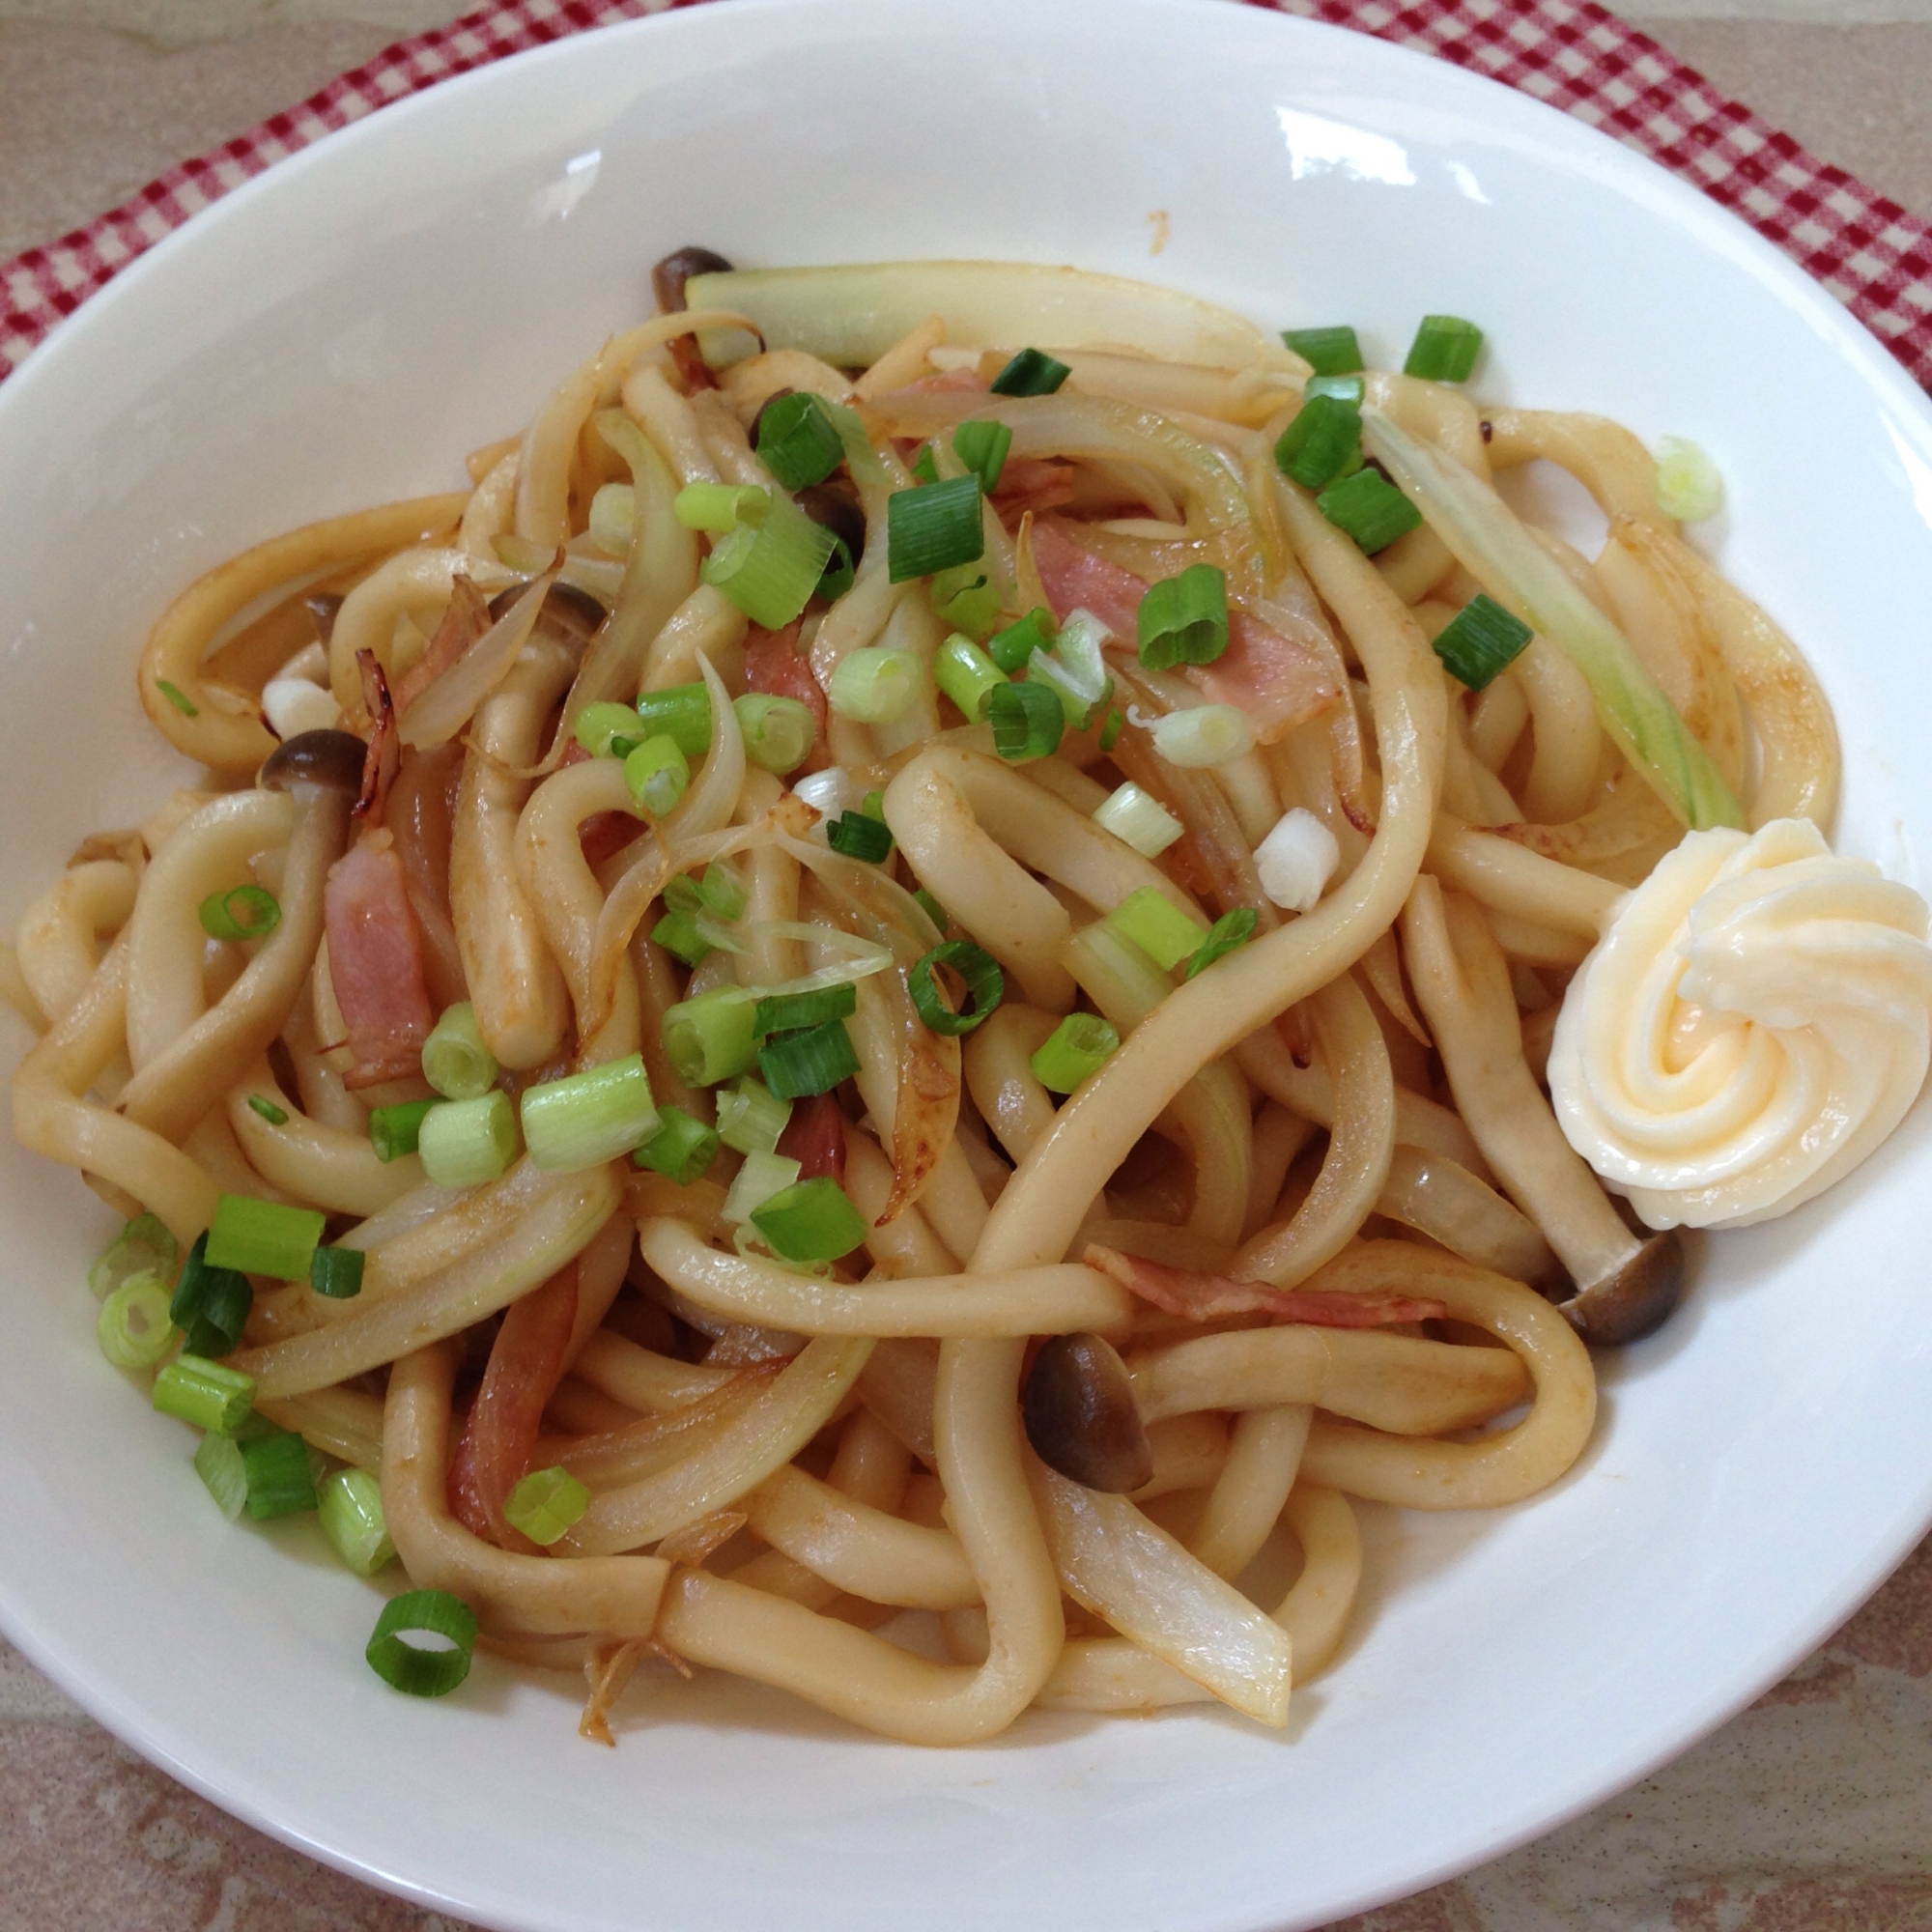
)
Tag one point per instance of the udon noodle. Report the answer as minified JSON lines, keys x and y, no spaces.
{"x":1300,"y":1227}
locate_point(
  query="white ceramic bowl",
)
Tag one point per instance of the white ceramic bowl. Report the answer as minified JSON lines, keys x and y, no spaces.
{"x":344,"y":328}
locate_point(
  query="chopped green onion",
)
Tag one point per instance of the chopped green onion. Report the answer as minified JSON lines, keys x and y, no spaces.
{"x":1079,"y":1046}
{"x":1444,"y":349}
{"x":352,"y":1518}
{"x":924,"y":465}
{"x":1690,"y":487}
{"x":861,"y":457}
{"x":211,"y":1304}
{"x":1204,"y":734}
{"x":797,"y":442}
{"x":964,"y":599}
{"x":1031,"y":373}
{"x":967,"y":675}
{"x":1075,"y":669}
{"x":1480,"y":641}
{"x":857,"y":837}
{"x":811,"y":1221}
{"x":762,"y":1175}
{"x":1158,"y":927}
{"x":682,"y":1150}
{"x":263,"y":1237}
{"x":1139,"y":818}
{"x":1369,"y":508}
{"x":934,"y":528}
{"x":243,"y":912}
{"x":1028,"y":720}
{"x":837,"y":576}
{"x":1322,"y":443}
{"x":204,"y":1393}
{"x":178,"y":698}
{"x":709,"y":1039}
{"x":280,"y":1479}
{"x":1329,"y":352}
{"x":465,"y":1143}
{"x":394,"y":1131}
{"x":985,"y":986}
{"x":614,"y":517}
{"x":1012,"y":648}
{"x":588,"y":1118}
{"x":1348,"y":389}
{"x":1184,"y":619}
{"x":750,"y":1118}
{"x":790,"y":1012}
{"x":455,"y":1062}
{"x":133,"y":1327}
{"x":718,"y":892}
{"x":682,"y":713}
{"x":930,"y":907}
{"x":600,"y":727}
{"x":720,"y":508}
{"x":815,"y":1060}
{"x":1227,"y":934}
{"x":337,"y":1272}
{"x":982,"y":446}
{"x":679,"y":934}
{"x":410,"y":1667}
{"x":260,"y":1103}
{"x":875,"y":686}
{"x":657,"y":774}
{"x":873,"y":806}
{"x":219,"y":1463}
{"x":779,"y":732}
{"x":143,"y":1247}
{"x":546,"y":1503}
{"x":1111,"y":729}
{"x":770,"y":574}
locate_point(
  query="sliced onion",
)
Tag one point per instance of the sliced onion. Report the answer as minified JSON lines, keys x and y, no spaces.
{"x":448,"y":704}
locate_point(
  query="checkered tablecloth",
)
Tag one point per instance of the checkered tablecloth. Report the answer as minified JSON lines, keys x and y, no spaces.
{"x":1868,"y":251}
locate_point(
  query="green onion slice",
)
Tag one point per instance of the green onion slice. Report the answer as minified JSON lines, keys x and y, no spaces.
{"x":133,"y":1327}
{"x":1481,"y":640}
{"x":1158,"y":927}
{"x":601,"y":727}
{"x":837,"y":576}
{"x":178,"y":698}
{"x":750,"y":1118}
{"x":797,"y":440}
{"x":719,"y":508}
{"x":1322,"y":443}
{"x":204,"y":1394}
{"x":1689,"y":486}
{"x":967,"y":675}
{"x":1227,"y":934}
{"x":1348,"y":389}
{"x":1012,"y":648}
{"x":242,"y":912}
{"x":465,"y":1143}
{"x":679,"y":934}
{"x":762,"y":1175}
{"x":337,"y":1272}
{"x":1075,"y":669}
{"x":588,"y":1118}
{"x":394,"y":1131}
{"x":778,"y":732}
{"x":657,"y":774}
{"x":924,"y":466}
{"x":709,"y":1039}
{"x":1031,"y":373}
{"x":932,"y":527}
{"x":875,"y":684}
{"x":211,"y":1304}
{"x":857,"y":836}
{"x":1140,"y":819}
{"x":260,"y":1103}
{"x":771,"y":573}
{"x":1028,"y":720}
{"x":143,"y":1247}
{"x":1184,"y":619}
{"x":964,"y":599}
{"x":682,"y":1150}
{"x":351,"y":1505}
{"x":1079,"y":1046}
{"x":280,"y":1479}
{"x":1111,"y":729}
{"x":416,"y":1670}
{"x":219,"y":1463}
{"x":719,"y":891}
{"x":263,"y":1237}
{"x":985,"y":986}
{"x":811,"y":1221}
{"x":815,"y":1061}
{"x":1329,"y":352}
{"x":455,"y":1062}
{"x":982,"y":446}
{"x":1369,"y":508}
{"x":546,"y":1503}
{"x":681,"y":713}
{"x":1444,"y":349}
{"x":790,"y":1012}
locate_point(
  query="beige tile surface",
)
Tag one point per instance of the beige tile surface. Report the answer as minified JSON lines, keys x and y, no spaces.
{"x":1813,"y":1811}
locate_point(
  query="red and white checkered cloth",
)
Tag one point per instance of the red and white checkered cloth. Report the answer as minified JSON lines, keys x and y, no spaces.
{"x":1868,"y":251}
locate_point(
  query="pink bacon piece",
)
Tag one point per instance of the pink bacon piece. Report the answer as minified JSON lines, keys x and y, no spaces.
{"x":1210,"y":1298}
{"x":374,"y":961}
{"x":815,"y":1138}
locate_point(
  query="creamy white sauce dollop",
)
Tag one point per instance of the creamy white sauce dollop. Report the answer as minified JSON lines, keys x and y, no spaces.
{"x":1753,"y":1023}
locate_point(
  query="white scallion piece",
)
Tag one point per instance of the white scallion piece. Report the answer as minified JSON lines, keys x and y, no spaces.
{"x":762,"y":1175}
{"x":1139,"y":818}
{"x":1690,"y":487}
{"x":1205,"y":735}
{"x":293,"y":706}
{"x":1297,"y":860}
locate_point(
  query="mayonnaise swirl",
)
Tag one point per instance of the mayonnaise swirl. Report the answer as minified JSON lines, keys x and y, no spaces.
{"x":1753,"y":1023}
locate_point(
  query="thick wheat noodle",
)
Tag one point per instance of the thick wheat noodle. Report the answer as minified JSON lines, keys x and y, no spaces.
{"x":340,"y":1422}
{"x":1278,"y":1136}
{"x":1264,"y":1454}
{"x":667,"y":419}
{"x":1441,"y":1198}
{"x":1000,"y":1075}
{"x":1360,"y":1142}
{"x":1496,"y":1469}
{"x":324,"y":1097}
{"x":905,"y":1246}
{"x":771,"y":891}
{"x":868,"y":1551}
{"x":237,"y":741}
{"x":58,"y":939}
{"x":1507,"y":878}
{"x":173,"y":1087}
{"x":642,"y":1380}
{"x":52,"y":1117}
{"x":1462,"y":982}
{"x":310,"y":1160}
{"x":518,"y":989}
{"x":1050,"y":1300}
{"x":646,"y":1445}
{"x":1496,"y":719}
{"x":410,"y":582}
{"x":616,"y":1596}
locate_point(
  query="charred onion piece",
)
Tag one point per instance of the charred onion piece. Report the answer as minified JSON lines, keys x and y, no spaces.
{"x":668,"y":278}
{"x":1080,"y":1415}
{"x":1636,"y":1299}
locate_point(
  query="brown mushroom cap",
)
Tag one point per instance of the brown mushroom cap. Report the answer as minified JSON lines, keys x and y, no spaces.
{"x":568,"y":613}
{"x":1080,"y":1414}
{"x":669,"y":276}
{"x":330,"y":759}
{"x":1635,"y":1301}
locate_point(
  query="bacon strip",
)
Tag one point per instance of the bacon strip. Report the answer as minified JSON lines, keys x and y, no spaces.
{"x":384,"y":755}
{"x":374,"y":961}
{"x":526,"y":1365}
{"x":1035,"y":483}
{"x":1209,"y":1297}
{"x":815,"y":1138}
